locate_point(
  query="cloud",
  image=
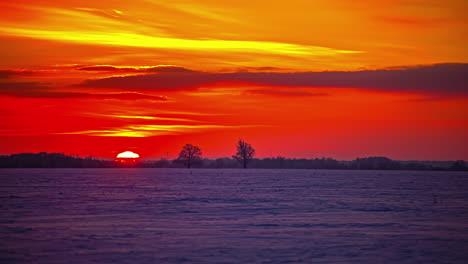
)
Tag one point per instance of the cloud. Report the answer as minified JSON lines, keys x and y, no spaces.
{"x":169,"y":69}
{"x":4,"y":74}
{"x":39,"y":90}
{"x":113,"y":14}
{"x":117,"y":96}
{"x":150,"y":130}
{"x":200,"y":11}
{"x":145,"y":117}
{"x":17,"y":132}
{"x":162,"y":80}
{"x":21,"y":88}
{"x":444,"y":79}
{"x":283,"y":92}
{"x":142,"y":69}
{"x":262,"y":69}
{"x":107,"y":69}
{"x":128,"y":39}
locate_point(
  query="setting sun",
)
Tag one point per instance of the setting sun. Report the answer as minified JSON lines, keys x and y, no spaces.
{"x":128,"y":154}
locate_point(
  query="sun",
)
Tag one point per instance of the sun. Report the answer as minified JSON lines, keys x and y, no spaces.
{"x":128,"y":155}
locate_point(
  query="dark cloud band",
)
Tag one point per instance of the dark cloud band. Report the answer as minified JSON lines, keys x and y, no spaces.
{"x":444,"y":79}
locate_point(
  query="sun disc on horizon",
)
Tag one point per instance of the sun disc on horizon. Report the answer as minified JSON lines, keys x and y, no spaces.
{"x":128,"y":155}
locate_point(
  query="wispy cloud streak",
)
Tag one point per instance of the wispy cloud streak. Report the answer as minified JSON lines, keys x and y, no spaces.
{"x":151,"y":130}
{"x":133,"y":39}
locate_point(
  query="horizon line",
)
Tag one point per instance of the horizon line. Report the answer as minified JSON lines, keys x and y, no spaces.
{"x":212,"y":157}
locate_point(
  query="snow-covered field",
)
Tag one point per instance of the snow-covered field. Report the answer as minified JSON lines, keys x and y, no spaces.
{"x":232,"y":216}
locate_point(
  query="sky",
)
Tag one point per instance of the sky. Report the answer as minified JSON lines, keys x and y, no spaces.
{"x":298,"y":78}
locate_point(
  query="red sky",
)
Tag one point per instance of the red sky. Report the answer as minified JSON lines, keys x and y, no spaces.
{"x":333,"y":78}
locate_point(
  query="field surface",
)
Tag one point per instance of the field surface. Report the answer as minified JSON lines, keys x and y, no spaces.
{"x":232,"y":216}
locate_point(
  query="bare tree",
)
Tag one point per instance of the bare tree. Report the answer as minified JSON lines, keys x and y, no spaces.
{"x":245,"y":152}
{"x":189,"y":154}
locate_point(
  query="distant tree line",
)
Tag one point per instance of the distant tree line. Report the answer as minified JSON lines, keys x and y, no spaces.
{"x":59,"y":160}
{"x":51,"y":160}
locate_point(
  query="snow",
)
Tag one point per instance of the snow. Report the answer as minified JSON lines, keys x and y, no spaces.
{"x":232,"y":216}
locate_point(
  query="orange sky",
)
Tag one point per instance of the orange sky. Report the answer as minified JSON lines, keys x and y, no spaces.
{"x":298,"y":78}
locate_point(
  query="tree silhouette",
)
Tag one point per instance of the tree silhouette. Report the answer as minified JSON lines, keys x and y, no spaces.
{"x":245,"y":152}
{"x":189,"y":154}
{"x":458,"y":165}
